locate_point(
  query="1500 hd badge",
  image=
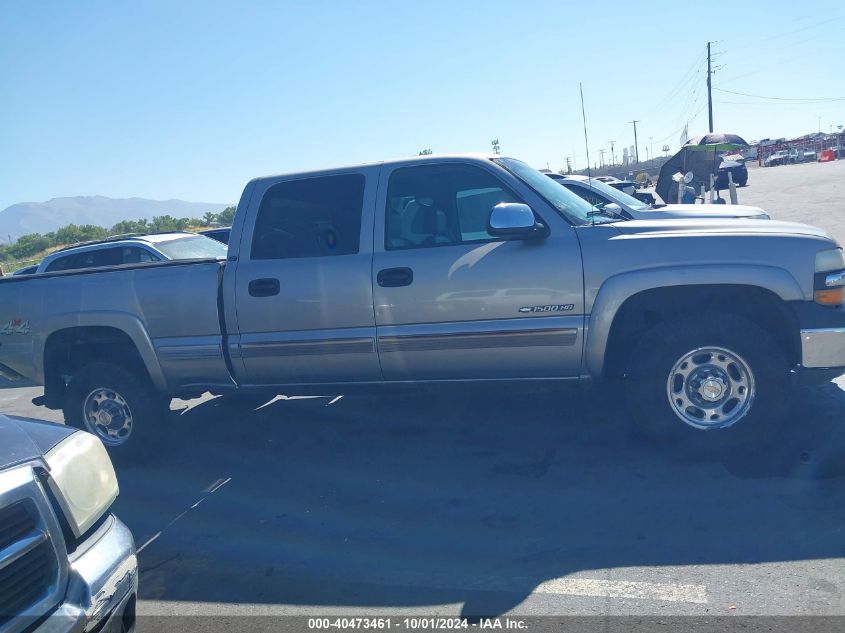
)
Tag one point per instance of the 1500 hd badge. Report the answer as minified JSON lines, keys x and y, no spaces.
{"x":15,"y":326}
{"x":563,"y":307}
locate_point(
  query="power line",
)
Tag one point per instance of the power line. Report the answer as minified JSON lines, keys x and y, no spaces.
{"x":794,"y":99}
{"x":793,"y":31}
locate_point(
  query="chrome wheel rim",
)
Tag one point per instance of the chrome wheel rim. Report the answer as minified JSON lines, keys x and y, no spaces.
{"x":710,"y":388}
{"x":108,"y":416}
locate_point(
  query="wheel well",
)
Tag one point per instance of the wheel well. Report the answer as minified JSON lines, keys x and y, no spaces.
{"x":66,"y":351}
{"x":647,"y":308}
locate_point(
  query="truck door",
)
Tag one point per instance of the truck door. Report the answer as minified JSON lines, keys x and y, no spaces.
{"x":454,"y":302}
{"x":302,"y":283}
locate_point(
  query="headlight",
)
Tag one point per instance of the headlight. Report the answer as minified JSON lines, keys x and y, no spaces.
{"x":83,"y":480}
{"x":829,"y":260}
{"x":829,"y":283}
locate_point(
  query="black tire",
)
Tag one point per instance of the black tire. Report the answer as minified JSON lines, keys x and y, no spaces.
{"x":660,"y":348}
{"x":148,"y":409}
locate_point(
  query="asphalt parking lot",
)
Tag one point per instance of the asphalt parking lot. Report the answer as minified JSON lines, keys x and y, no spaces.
{"x":530,"y":502}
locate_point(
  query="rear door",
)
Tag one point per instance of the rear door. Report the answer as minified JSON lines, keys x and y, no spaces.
{"x":302,"y":285}
{"x":453,"y":302}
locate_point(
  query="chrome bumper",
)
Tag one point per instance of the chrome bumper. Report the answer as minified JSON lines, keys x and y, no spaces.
{"x":102,"y":587}
{"x":823,"y":347}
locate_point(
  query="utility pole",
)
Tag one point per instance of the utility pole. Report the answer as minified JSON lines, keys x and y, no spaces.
{"x":651,"y":147}
{"x":612,"y":154}
{"x":709,"y":90}
{"x":568,"y":166}
{"x":636,"y":145}
{"x":601,"y":157}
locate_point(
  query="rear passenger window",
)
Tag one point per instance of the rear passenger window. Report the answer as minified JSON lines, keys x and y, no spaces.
{"x":88,"y":259}
{"x":433,"y":205}
{"x":314,"y":217}
{"x":135,"y":255}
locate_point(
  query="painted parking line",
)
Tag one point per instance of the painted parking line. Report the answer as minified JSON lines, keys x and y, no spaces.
{"x":208,"y":490}
{"x":663,"y":592}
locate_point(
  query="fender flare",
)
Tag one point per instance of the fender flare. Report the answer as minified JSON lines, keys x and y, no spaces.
{"x":125,"y":322}
{"x":619,"y":288}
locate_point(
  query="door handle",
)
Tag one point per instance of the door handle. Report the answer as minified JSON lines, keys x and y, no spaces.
{"x":263,"y":287}
{"x":395,"y":277}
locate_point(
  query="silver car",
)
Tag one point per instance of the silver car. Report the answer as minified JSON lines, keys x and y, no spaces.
{"x":132,"y":249}
{"x":611,"y":199}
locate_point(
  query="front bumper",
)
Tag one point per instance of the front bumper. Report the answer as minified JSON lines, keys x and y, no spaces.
{"x":102,"y":587}
{"x":823,"y":347}
{"x":822,"y":342}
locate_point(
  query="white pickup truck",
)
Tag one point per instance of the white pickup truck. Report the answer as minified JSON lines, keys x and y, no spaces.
{"x":440,"y":269}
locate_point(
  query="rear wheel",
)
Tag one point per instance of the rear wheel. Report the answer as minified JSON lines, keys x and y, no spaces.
{"x":121,"y":408}
{"x":716,"y":375}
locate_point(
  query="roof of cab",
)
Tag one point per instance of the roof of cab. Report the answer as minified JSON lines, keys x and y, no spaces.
{"x":410,"y":160}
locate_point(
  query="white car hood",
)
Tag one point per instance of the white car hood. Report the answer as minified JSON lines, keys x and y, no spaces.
{"x":718,"y":226}
{"x":684,"y":211}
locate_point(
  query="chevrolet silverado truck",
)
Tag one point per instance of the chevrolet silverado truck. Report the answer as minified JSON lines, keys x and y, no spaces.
{"x":67,"y":564}
{"x":433,"y":270}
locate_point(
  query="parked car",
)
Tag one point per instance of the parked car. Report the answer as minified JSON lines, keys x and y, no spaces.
{"x":442,"y":269}
{"x":776,"y":158}
{"x":66,"y":563}
{"x":781,"y":157}
{"x":220,"y":234}
{"x":601,"y":195}
{"x":26,"y":270}
{"x":132,"y":249}
{"x":809,"y":155}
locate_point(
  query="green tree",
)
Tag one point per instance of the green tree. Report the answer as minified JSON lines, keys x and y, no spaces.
{"x":130,"y":226}
{"x":226,"y":216}
{"x":209,"y":218}
{"x":29,"y":245}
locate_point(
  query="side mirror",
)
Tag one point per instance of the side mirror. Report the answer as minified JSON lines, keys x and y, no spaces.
{"x":615,"y":209}
{"x":514,"y":220}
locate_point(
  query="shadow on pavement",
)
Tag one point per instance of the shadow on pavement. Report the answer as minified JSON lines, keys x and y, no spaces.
{"x":473,"y":497}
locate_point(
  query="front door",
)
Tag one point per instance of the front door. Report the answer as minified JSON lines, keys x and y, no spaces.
{"x":452,"y":301}
{"x":303,"y":292}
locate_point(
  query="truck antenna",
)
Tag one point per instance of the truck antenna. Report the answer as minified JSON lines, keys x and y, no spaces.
{"x":586,"y":143}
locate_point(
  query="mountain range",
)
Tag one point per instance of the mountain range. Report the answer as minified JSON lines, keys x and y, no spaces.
{"x":43,"y":217}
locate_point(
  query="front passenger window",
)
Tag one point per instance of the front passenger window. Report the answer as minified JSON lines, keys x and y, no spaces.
{"x":434,"y":205}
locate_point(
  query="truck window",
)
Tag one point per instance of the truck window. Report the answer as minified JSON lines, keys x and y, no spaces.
{"x":434,"y":205}
{"x":314,"y":217}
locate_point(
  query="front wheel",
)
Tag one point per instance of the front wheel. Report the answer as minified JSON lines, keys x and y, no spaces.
{"x":121,"y":408}
{"x":715,"y":374}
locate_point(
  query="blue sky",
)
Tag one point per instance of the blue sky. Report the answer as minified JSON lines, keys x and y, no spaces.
{"x":191,"y":99}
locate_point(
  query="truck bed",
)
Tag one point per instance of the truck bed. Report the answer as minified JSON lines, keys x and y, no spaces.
{"x":169,"y":310}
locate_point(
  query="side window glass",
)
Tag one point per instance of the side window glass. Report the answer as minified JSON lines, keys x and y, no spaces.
{"x":104,"y":257}
{"x":590,"y":196}
{"x":62,"y":263}
{"x":136,"y":255}
{"x":432,"y":205}
{"x":313,"y":217}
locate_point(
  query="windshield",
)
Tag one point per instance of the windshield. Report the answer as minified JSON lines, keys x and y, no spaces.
{"x":573,"y":206}
{"x":620,"y":197}
{"x":192,"y":247}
